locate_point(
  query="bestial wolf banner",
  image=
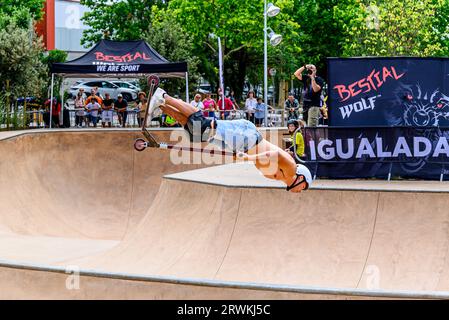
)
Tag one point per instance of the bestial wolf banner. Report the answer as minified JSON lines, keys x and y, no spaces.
{"x":408,"y":152}
{"x":388,"y":92}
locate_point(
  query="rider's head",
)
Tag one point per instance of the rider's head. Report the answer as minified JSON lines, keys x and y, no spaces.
{"x":303,"y":179}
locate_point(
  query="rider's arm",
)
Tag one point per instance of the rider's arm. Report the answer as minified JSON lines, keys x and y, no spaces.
{"x":264,"y":157}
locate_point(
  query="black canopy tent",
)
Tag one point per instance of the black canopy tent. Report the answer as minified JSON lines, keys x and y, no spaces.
{"x":119,"y":59}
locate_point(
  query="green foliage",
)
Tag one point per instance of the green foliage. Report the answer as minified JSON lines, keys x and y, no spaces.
{"x":20,"y":61}
{"x":320,"y":35}
{"x":312,"y":30}
{"x":117,"y":20}
{"x":239,"y":24}
{"x":168,"y":38}
{"x":33,"y":7}
{"x":53,"y":56}
{"x":392,"y":28}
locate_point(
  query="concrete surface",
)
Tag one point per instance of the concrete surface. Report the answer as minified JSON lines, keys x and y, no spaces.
{"x":87,"y":199}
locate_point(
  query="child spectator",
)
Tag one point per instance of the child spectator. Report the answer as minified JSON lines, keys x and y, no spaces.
{"x":209,"y":107}
{"x":93,"y":108}
{"x":259,"y":115}
{"x":296,"y":138}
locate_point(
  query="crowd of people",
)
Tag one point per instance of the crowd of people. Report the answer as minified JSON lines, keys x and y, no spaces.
{"x":311,"y":111}
{"x":88,"y":110}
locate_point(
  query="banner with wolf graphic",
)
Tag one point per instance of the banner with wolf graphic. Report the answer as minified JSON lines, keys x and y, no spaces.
{"x":388,"y":92}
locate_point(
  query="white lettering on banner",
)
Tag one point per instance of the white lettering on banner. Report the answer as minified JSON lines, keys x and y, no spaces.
{"x":359,"y":106}
{"x":118,"y":68}
{"x":442,"y":147}
{"x":133,"y":68}
{"x":402,"y":147}
{"x":365,"y":148}
{"x":380,"y":152}
{"x":312,"y":150}
{"x":350,"y":151}
{"x":420,"y":147}
{"x":417,"y":142}
{"x":327,"y":154}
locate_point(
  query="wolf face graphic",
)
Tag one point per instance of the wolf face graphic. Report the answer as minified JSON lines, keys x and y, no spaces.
{"x":420,"y":108}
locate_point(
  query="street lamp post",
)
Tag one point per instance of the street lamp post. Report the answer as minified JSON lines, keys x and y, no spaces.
{"x":270,"y":10}
{"x":220,"y":67}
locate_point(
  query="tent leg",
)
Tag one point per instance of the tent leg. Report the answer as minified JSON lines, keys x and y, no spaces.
{"x":187,"y":87}
{"x":51,"y":98}
{"x":61,"y":116}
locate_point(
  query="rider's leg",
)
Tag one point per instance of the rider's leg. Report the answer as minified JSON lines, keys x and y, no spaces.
{"x":183,"y":107}
{"x":174,"y":113}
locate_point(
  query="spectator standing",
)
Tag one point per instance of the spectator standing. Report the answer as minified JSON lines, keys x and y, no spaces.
{"x":312,"y":88}
{"x":93,"y":94}
{"x":259,"y":112}
{"x":197,"y":103}
{"x":228,"y":106}
{"x":291,"y":105}
{"x":107,"y":111}
{"x":141,"y":106}
{"x":250,"y":105}
{"x":209,"y":107}
{"x":80,"y":113}
{"x":55,"y":112}
{"x":93,"y":107}
{"x":234,"y":101}
{"x":121,"y":107}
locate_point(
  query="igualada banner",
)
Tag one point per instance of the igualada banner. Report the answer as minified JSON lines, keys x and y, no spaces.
{"x":377,"y":151}
{"x":351,"y":148}
{"x":388,"y":92}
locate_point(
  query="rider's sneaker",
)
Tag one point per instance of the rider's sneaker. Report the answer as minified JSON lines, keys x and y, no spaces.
{"x":156,"y":100}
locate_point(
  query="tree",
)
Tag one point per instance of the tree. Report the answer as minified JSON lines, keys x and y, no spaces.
{"x":20,"y":60}
{"x":392,"y":28}
{"x":239,"y":24}
{"x":168,"y":38}
{"x":320,"y":36}
{"x":34,"y":8}
{"x":117,"y":20}
{"x":53,"y":56}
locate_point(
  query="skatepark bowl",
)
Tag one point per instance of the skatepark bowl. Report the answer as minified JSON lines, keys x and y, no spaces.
{"x":85,"y":216}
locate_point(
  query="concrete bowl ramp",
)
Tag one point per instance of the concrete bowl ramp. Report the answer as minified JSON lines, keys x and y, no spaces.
{"x":83,"y":216}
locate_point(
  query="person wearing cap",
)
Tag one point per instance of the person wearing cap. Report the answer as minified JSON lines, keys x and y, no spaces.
{"x":121,"y":107}
{"x":239,"y":137}
{"x":107,"y":112}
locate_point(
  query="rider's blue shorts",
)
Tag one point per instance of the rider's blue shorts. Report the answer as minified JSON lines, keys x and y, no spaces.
{"x":236,"y":135}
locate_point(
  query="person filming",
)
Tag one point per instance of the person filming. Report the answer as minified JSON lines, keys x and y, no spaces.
{"x":312,"y":87}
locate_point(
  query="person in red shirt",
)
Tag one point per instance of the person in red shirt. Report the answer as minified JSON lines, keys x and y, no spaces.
{"x":55,"y":112}
{"x":228,"y":106}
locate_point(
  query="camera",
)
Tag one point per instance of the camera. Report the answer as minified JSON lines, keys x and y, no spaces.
{"x":309,"y":71}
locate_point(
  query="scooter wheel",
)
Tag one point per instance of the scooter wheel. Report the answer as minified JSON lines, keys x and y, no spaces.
{"x":139,"y":145}
{"x":153,"y":80}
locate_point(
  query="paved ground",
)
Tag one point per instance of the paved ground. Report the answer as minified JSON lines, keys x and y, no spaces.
{"x":87,"y":199}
